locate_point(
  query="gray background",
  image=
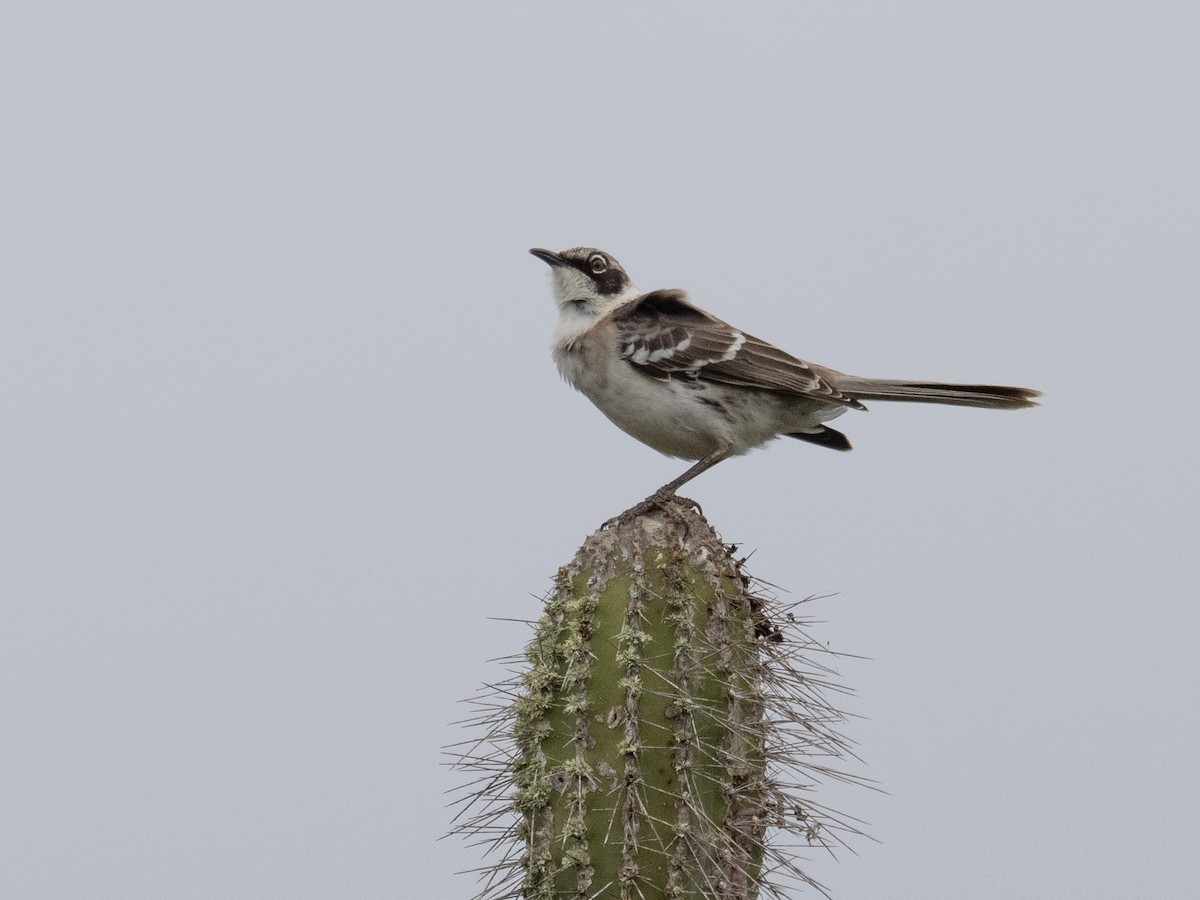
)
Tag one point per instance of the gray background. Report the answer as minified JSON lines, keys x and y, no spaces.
{"x":281,"y":432}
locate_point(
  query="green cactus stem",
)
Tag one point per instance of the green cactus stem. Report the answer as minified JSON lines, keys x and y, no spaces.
{"x":663,"y":730}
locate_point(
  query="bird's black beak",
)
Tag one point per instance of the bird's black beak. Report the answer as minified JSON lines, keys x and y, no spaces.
{"x":548,"y":257}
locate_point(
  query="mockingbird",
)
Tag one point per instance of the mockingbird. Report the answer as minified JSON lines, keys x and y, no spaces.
{"x":692,"y":386}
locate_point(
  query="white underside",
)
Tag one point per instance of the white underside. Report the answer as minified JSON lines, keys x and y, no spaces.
{"x":673,"y":416}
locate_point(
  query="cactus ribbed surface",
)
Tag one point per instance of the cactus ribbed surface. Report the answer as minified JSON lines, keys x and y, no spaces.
{"x":657,"y":729}
{"x":641,"y":770}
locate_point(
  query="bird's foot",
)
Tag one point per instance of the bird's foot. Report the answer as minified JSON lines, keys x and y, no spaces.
{"x":661,"y":499}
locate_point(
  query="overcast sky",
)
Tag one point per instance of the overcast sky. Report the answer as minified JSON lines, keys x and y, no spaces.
{"x":280,"y":429}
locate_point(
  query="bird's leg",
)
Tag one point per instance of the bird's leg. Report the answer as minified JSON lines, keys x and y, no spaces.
{"x":665,"y":493}
{"x":703,"y":465}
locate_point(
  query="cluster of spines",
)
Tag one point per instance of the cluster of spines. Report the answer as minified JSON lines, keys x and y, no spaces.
{"x":743,"y":717}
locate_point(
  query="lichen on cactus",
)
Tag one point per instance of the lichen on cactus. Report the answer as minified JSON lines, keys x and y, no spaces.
{"x":661,"y":734}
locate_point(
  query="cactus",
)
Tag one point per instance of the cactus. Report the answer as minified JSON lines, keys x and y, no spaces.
{"x":661,"y":734}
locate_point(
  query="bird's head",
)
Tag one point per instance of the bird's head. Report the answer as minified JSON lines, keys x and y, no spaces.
{"x":586,"y":280}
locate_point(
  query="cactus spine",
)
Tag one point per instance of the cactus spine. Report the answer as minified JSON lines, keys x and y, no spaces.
{"x":647,"y":727}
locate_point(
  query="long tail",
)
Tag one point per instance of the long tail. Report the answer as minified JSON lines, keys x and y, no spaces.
{"x":986,"y":396}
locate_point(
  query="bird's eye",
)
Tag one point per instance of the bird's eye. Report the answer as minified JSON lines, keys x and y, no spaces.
{"x":597,"y":263}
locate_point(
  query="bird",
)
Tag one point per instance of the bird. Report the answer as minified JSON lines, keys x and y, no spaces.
{"x":695,"y":387}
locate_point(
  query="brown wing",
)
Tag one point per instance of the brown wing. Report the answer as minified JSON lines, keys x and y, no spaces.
{"x":663,"y":336}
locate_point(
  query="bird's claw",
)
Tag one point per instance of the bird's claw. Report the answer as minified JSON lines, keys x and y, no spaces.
{"x":657,"y":500}
{"x":660,"y":499}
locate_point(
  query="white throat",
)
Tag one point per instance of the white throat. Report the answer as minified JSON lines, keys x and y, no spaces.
{"x":579,"y":305}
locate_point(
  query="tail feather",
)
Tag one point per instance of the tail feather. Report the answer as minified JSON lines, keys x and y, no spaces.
{"x":985,"y":396}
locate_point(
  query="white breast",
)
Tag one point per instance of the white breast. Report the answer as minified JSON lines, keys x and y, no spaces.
{"x":666,"y":415}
